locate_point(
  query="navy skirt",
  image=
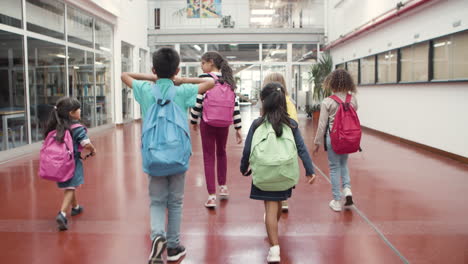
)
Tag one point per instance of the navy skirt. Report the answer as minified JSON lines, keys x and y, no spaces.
{"x":257,"y":194}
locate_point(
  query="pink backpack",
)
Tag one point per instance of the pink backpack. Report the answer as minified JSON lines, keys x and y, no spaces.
{"x":57,"y":161}
{"x":346,"y":133}
{"x":218,"y":105}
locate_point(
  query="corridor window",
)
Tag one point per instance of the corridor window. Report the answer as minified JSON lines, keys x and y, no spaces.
{"x":46,"y":17}
{"x":341,"y":66}
{"x":237,"y":52}
{"x":191,"y":52}
{"x":368,"y":70}
{"x":353,"y":69}
{"x":387,"y":67}
{"x":414,"y":63}
{"x":451,"y":57}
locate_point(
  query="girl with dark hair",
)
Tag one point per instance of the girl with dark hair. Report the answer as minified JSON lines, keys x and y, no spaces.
{"x":341,"y":84}
{"x":214,"y":138}
{"x":66,"y":113}
{"x":286,"y":135}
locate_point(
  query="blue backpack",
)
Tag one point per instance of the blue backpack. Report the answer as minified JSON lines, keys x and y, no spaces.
{"x":165,"y":140}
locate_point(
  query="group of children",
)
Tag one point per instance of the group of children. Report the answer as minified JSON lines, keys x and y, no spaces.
{"x":273,"y":176}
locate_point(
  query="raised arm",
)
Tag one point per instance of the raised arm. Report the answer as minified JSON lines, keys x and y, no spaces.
{"x":129,"y":77}
{"x":204,"y":84}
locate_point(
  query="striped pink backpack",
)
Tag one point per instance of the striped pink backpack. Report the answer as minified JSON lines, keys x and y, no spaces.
{"x":57,"y":161}
{"x":218,"y":105}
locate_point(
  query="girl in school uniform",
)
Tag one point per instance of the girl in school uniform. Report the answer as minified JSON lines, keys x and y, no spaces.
{"x":274,"y":114}
{"x":66,"y":113}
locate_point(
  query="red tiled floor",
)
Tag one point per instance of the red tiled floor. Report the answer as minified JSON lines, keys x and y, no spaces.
{"x":416,"y":199}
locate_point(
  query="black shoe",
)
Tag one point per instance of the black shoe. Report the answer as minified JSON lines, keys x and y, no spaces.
{"x":61,"y":221}
{"x":174,"y":254}
{"x":157,"y":248}
{"x":77,"y":211}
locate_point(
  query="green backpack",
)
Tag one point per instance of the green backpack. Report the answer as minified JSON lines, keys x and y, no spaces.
{"x":273,"y":159}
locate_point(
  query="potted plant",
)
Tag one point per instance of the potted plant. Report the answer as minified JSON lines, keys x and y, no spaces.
{"x":317,"y":73}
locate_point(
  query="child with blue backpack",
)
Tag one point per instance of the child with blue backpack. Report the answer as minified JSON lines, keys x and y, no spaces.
{"x":166,"y":148}
{"x":270,"y":155}
{"x":63,"y":128}
{"x":219,"y":109}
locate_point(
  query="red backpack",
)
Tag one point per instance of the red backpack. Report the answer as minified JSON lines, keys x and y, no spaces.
{"x":346,"y":133}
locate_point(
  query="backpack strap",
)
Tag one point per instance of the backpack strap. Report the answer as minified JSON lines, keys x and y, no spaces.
{"x":345,"y":104}
{"x":158,"y":96}
{"x":336,"y":99}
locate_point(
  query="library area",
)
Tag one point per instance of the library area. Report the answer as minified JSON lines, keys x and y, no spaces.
{"x":65,"y":51}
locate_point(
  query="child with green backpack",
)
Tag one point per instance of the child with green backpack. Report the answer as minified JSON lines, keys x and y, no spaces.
{"x":271,"y":149}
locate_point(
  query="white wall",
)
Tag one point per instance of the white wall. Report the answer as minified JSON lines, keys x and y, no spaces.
{"x":432,"y":114}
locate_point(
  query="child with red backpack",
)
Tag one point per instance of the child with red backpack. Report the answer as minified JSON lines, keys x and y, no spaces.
{"x":270,"y":155}
{"x":219,"y":109}
{"x":65,"y":138}
{"x":339,"y":131}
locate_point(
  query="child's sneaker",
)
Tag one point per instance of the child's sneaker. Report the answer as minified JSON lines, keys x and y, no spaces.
{"x":174,"y":254}
{"x":349,"y":196}
{"x":157,"y":248}
{"x":223,"y":192}
{"x":274,"y":254}
{"x":284,"y":206}
{"x":211,"y":202}
{"x":62,"y":222}
{"x":335,"y":205}
{"x":77,"y":211}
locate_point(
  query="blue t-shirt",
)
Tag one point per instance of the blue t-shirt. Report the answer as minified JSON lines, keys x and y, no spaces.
{"x":185,"y":97}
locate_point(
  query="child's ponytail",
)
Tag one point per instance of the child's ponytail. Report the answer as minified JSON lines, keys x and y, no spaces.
{"x":222,"y":64}
{"x":59,"y":118}
{"x":274,"y":107}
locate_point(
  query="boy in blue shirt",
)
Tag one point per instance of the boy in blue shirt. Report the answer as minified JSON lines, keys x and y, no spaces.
{"x":166,"y":192}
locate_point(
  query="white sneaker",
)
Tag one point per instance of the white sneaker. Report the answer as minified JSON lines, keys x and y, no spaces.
{"x":349,"y":197}
{"x":335,"y":205}
{"x":211,"y":202}
{"x":284,"y":206}
{"x":274,"y":254}
{"x":223,"y":192}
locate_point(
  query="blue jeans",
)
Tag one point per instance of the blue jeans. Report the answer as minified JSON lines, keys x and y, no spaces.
{"x":166,"y":193}
{"x":338,"y":164}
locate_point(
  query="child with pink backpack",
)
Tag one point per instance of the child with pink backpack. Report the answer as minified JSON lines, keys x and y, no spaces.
{"x":339,"y":131}
{"x":60,"y":157}
{"x":219,"y":109}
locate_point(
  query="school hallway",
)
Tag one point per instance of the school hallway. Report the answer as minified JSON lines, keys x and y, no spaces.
{"x":410,"y":208}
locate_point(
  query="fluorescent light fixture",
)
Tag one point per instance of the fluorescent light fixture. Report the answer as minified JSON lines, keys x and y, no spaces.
{"x":231,"y":57}
{"x":98,"y":62}
{"x":263,"y":11}
{"x":234,"y":45}
{"x":263,"y":20}
{"x":197,"y":47}
{"x":105,"y":49}
{"x":76,"y":67}
{"x":61,"y":56}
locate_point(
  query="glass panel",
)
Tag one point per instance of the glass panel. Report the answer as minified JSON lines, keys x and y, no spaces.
{"x":104,"y":110}
{"x":414,"y":63}
{"x":153,"y":48}
{"x":248,"y":81}
{"x":11,"y":13}
{"x":237,"y":52}
{"x":80,"y":27}
{"x":460,"y":56}
{"x":301,"y":87}
{"x":341,"y":66}
{"x":304,"y":52}
{"x":191,"y":71}
{"x":274,"y":53}
{"x":353,"y":69}
{"x":12,"y":107}
{"x":387,"y":67}
{"x":46,"y":17}
{"x":127,"y":66}
{"x":103,"y":36}
{"x":286,"y":14}
{"x":81,"y":81}
{"x":368,"y":70}
{"x":46,"y":80}
{"x":191,"y":52}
